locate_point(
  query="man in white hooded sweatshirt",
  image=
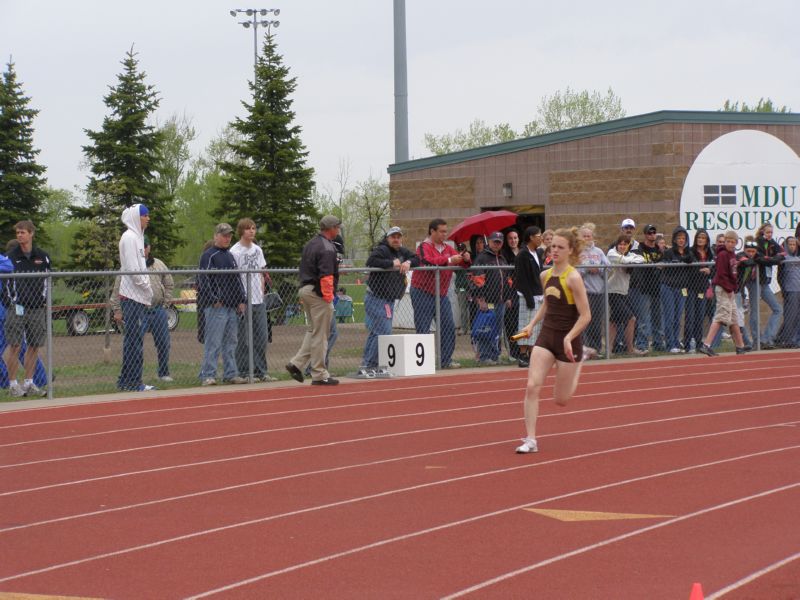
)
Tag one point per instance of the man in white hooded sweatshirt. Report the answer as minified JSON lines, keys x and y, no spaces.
{"x":135,"y":295}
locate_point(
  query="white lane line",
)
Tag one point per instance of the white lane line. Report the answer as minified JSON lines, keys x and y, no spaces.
{"x":618,"y":538}
{"x":361,"y":421}
{"x":449,"y":395}
{"x":587,"y":373}
{"x":393,"y":492}
{"x":753,"y":576}
{"x":293,"y":476}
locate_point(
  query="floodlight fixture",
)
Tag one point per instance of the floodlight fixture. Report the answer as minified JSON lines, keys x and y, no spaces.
{"x":255,"y":23}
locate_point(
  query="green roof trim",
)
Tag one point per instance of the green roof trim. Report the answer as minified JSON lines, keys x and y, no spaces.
{"x":577,"y":133}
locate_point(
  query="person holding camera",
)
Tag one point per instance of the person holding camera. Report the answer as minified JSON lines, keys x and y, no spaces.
{"x":433,"y":251}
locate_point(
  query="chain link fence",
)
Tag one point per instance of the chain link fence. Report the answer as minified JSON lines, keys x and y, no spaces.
{"x":652,"y":308}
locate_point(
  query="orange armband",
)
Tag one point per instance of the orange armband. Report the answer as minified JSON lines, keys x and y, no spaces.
{"x":326,"y":286}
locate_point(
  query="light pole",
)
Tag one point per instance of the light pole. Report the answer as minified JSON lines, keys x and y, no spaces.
{"x":255,"y":13}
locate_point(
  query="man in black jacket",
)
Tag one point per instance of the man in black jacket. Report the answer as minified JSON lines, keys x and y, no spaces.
{"x":527,"y":271}
{"x":383,"y":289}
{"x":319,"y":277}
{"x":26,"y":317}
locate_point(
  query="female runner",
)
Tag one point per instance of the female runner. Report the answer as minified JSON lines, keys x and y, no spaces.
{"x":564,"y":315}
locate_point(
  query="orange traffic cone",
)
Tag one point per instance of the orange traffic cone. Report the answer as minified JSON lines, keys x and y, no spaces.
{"x":697,"y":592}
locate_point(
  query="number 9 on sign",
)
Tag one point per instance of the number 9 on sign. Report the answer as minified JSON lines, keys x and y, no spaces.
{"x":407,"y":354}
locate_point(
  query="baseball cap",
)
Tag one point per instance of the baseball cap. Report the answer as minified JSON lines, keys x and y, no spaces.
{"x":628,"y":223}
{"x":650,"y":229}
{"x":393,"y":231}
{"x":143,"y":210}
{"x":223,"y":229}
{"x":329,"y":222}
{"x":495,"y":235}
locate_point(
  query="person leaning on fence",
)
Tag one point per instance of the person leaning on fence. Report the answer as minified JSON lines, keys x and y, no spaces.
{"x":492,"y":291}
{"x":224,"y":300}
{"x":155,"y":315}
{"x":593,"y":259}
{"x":249,"y":257}
{"x":384,"y":288}
{"x":511,"y":249}
{"x":789,"y":280}
{"x":673,"y":289}
{"x":433,"y":251}
{"x":746,"y":269}
{"x":528,"y":284}
{"x":619,"y":306}
{"x":26,"y":318}
{"x":726,"y":283}
{"x":699,"y":293}
{"x":645,"y":293}
{"x":319,"y":277}
{"x":39,"y":374}
{"x":770,"y":256}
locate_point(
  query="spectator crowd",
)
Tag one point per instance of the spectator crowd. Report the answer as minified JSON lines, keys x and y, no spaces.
{"x":664,"y":293}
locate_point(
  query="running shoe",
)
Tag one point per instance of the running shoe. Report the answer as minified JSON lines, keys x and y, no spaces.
{"x":528,"y":446}
{"x":31,"y":390}
{"x":208,"y":381}
{"x":16,"y":391}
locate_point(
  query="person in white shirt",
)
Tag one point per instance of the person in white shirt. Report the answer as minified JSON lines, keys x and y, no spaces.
{"x":249,"y":256}
{"x":619,"y":280}
{"x":135,"y":295}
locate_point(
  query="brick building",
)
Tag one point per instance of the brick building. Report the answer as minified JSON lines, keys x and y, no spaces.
{"x":631,"y":167}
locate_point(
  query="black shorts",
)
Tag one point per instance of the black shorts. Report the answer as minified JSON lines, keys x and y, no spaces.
{"x":553,"y":340}
{"x":620,"y":309}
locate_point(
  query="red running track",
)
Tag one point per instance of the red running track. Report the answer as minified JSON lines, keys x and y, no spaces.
{"x":659,"y":474}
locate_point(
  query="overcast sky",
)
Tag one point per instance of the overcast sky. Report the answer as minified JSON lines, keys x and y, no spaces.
{"x":466,"y":60}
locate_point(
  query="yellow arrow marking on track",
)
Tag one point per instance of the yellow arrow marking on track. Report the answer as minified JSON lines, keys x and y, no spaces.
{"x":587,"y":515}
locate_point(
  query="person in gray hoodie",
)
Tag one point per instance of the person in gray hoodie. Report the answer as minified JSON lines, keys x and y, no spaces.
{"x":135,"y":294}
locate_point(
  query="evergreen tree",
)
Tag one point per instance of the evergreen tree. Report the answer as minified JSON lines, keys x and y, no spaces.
{"x":123,"y":158}
{"x":22,"y":185}
{"x":266,"y":179}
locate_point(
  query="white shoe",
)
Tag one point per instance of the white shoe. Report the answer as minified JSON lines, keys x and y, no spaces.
{"x":674,"y":350}
{"x":166,"y":378}
{"x":589,"y":353}
{"x":16,"y":391}
{"x":365,"y":373}
{"x":32,"y":390}
{"x":209,"y":381}
{"x":383,"y":373}
{"x":528,"y":446}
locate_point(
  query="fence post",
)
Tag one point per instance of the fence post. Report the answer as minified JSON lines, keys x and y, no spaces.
{"x":755,"y":305}
{"x":249,"y":308}
{"x":438,"y":319}
{"x":49,"y":322}
{"x":607,"y":321}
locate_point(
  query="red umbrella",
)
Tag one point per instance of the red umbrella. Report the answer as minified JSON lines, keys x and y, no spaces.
{"x":482,"y":224}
